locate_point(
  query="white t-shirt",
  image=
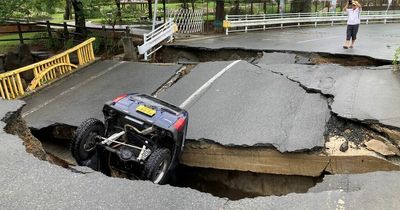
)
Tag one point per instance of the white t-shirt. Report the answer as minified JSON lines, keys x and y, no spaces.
{"x":353,"y":16}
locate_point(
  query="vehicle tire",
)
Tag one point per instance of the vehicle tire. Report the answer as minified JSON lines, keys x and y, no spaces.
{"x":83,"y":145}
{"x":156,"y":167}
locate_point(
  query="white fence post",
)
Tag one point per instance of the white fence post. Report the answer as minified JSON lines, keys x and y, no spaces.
{"x":245,"y":29}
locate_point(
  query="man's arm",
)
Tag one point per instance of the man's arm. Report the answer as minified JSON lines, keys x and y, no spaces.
{"x":346,"y":6}
{"x":358,"y":5}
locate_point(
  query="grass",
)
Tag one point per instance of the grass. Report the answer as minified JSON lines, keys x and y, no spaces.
{"x":6,"y":46}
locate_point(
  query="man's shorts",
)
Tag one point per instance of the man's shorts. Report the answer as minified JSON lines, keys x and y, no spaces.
{"x":352,"y":31}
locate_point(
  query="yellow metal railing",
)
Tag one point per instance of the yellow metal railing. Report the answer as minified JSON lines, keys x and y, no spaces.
{"x":12,"y":86}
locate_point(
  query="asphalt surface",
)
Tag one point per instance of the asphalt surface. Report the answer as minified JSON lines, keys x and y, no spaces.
{"x":249,"y":106}
{"x":374,"y":40}
{"x":363,"y":93}
{"x":83,"y":94}
{"x":29,"y":183}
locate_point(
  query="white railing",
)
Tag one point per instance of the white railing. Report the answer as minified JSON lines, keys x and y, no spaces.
{"x":155,"y":37}
{"x":238,"y":23}
{"x":188,"y":21}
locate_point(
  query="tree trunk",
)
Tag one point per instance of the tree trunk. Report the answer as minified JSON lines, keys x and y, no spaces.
{"x":251,"y":7}
{"x":67,"y":12}
{"x":80,"y":21}
{"x":118,"y":15}
{"x":236,"y":8}
{"x":193,"y":5}
{"x":150,"y":9}
{"x":163,"y":5}
{"x":301,"y":6}
{"x":265,"y":7}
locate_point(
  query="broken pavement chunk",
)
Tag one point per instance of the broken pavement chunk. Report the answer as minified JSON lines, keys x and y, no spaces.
{"x":383,"y":148}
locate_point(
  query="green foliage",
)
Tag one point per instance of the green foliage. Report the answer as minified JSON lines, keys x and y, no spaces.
{"x":8,"y":8}
{"x":396,"y":59}
{"x":28,"y":9}
{"x":50,"y":44}
{"x":98,"y":44}
{"x":69,"y":43}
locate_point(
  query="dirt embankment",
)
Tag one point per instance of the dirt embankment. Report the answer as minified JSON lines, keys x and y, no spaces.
{"x":17,"y":126}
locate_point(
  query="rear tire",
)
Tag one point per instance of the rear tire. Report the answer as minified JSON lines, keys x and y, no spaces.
{"x":83,"y":145}
{"x":156,"y":167}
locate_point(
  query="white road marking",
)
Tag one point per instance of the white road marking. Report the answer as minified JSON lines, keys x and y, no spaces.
{"x":206,"y":85}
{"x":311,"y":40}
{"x":71,"y":89}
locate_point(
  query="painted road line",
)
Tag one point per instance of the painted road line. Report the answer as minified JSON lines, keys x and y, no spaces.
{"x":311,"y":40}
{"x":205,"y":86}
{"x":71,"y":89}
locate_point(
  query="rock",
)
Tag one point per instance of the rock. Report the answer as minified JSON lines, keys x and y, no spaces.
{"x":344,"y":147}
{"x":11,"y":61}
{"x":129,"y":49}
{"x":393,"y":135}
{"x":25,"y":59}
{"x":23,"y":51}
{"x":383,"y":148}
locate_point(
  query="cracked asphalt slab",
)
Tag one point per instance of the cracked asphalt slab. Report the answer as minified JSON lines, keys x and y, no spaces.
{"x":83,"y":94}
{"x":251,"y":106}
{"x":365,"y":94}
{"x":29,"y":183}
{"x":374,"y":40}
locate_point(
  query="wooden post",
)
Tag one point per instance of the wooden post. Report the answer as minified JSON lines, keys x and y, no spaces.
{"x":48,"y":29}
{"x":21,"y":38}
{"x":127,"y":31}
{"x":105,"y":38}
{"x":66,"y":32}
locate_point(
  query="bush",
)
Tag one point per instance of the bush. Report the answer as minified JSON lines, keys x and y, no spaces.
{"x":396,"y":59}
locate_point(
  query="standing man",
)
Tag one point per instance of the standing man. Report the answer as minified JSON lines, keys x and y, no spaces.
{"x":353,"y":22}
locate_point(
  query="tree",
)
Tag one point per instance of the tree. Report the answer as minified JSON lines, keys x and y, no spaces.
{"x":8,"y":8}
{"x":67,"y":12}
{"x":80,"y":21}
{"x":119,"y":15}
{"x":300,"y":6}
{"x":150,"y":9}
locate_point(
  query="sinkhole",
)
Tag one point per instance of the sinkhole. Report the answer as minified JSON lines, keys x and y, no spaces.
{"x":231,"y":184}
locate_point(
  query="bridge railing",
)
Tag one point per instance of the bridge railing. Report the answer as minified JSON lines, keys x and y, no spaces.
{"x":13,"y":86}
{"x":244,"y":23}
{"x":155,"y":37}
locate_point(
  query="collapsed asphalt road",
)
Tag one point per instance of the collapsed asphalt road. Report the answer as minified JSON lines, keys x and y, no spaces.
{"x":249,"y":106}
{"x":23,"y":175}
{"x":377,"y":41}
{"x":82,"y":95}
{"x":364,"y":94}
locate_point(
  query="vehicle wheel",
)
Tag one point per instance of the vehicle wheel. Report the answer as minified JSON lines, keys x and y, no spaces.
{"x":83,"y":145}
{"x":156,"y":167}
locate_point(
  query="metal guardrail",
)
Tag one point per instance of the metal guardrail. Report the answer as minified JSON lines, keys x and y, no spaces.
{"x":155,"y":37}
{"x":12,"y":86}
{"x":239,"y":23}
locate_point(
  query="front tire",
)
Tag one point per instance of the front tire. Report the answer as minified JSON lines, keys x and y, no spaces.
{"x":156,"y":167}
{"x":83,"y":145}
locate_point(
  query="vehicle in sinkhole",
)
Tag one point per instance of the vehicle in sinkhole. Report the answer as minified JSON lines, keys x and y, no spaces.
{"x":142,"y":137}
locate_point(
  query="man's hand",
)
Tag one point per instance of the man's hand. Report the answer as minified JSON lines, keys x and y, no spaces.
{"x":357,"y":4}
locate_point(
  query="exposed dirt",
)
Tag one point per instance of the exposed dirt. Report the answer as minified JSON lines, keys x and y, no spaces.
{"x":176,"y":54}
{"x":349,"y":130}
{"x":346,"y":60}
{"x":241,"y":184}
{"x":17,"y":126}
{"x":188,"y":55}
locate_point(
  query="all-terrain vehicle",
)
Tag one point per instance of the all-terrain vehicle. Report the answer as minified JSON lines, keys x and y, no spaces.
{"x":141,"y":138}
